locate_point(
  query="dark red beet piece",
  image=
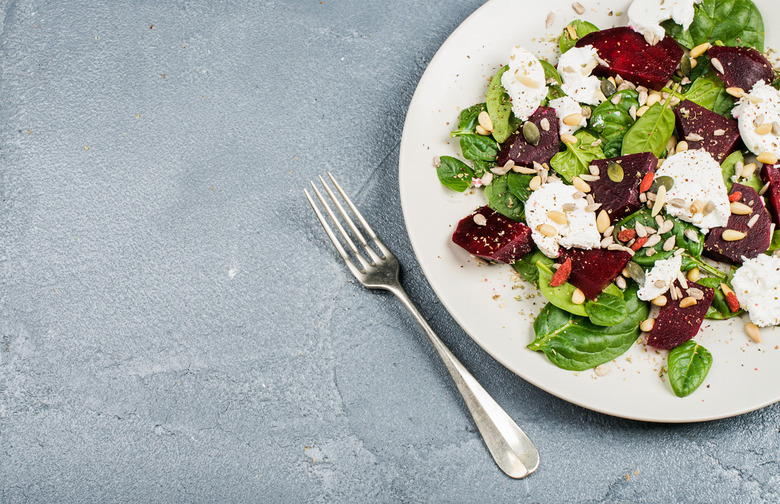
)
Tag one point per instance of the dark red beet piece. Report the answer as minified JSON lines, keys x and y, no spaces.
{"x":742,"y":66}
{"x":524,"y":154}
{"x":771,"y":174}
{"x":758,"y":237}
{"x":630,"y":56}
{"x":674,"y":325}
{"x":698,"y":120}
{"x":592,"y":270}
{"x":620,"y":199}
{"x":500,"y":239}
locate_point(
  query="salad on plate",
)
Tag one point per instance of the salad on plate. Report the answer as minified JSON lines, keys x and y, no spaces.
{"x":635,"y":181}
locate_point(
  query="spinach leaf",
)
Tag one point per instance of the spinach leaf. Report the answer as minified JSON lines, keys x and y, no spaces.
{"x":582,"y":28}
{"x":577,"y":157}
{"x":518,"y":185}
{"x":688,"y":365}
{"x":468,"y":120}
{"x":550,"y":72}
{"x":454,"y":173}
{"x":499,"y":107}
{"x":612,"y":121}
{"x":733,"y":22}
{"x":481,"y":167}
{"x":775,"y":245}
{"x":478,"y":147}
{"x":719,"y":309}
{"x":527,"y":266}
{"x":575,"y":343}
{"x":612,"y":147}
{"x":608,"y":309}
{"x":728,"y":167}
{"x":501,"y":199}
{"x":709,"y":91}
{"x":651,"y":132}
{"x":559,"y":296}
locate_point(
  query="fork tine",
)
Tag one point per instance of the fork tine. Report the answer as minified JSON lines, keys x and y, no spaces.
{"x":373,"y":255}
{"x":342,"y":252}
{"x":340,"y":228}
{"x":385,"y":251}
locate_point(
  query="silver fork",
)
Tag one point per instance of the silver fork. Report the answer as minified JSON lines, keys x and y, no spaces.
{"x":377,"y":268}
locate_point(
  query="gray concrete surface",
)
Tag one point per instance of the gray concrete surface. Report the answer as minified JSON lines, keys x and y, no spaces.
{"x":175,"y":327}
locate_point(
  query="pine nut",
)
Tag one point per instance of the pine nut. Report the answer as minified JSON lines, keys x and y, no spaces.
{"x":726,"y":289}
{"x":753,"y":331}
{"x":641,"y":111}
{"x":659,"y":301}
{"x":697,"y":206}
{"x":545,"y":124}
{"x":485,"y":121}
{"x":740,"y":208}
{"x":763,"y":129}
{"x":568,"y":139}
{"x":535,"y":183}
{"x":578,"y":297}
{"x":526,"y":81}
{"x":557,"y":217}
{"x":546,"y":230}
{"x":682,"y":146}
{"x":748,"y":170}
{"x":575,"y":119}
{"x":652,"y":99}
{"x":647,"y":325}
{"x":687,"y":301}
{"x":767,"y":158}
{"x":732,"y":235}
{"x":580,"y":185}
{"x":602,"y":221}
{"x":699,"y":50}
{"x":736,"y":92}
{"x":693,"y":274}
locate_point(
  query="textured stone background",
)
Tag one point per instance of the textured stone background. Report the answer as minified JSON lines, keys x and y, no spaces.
{"x":175,"y":326}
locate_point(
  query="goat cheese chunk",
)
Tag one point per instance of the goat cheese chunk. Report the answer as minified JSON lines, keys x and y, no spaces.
{"x":750,"y":115}
{"x":660,"y":278}
{"x":575,"y":67}
{"x":646,"y":15}
{"x":697,"y":177}
{"x":524,"y":82}
{"x":757,"y":287}
{"x":579,"y":230}
{"x":566,"y":106}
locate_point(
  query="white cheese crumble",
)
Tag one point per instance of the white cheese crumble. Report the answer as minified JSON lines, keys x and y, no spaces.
{"x":697,"y":176}
{"x":566,"y":106}
{"x":765,"y":112}
{"x":575,"y":67}
{"x":525,"y":83}
{"x":646,"y":15}
{"x":580,"y":230}
{"x":660,"y":278}
{"x":757,"y":287}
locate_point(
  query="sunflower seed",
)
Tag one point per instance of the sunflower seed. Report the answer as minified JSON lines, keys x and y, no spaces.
{"x":669,"y":243}
{"x":716,"y":64}
{"x":550,"y":19}
{"x":752,"y":221}
{"x":652,"y":241}
{"x":695,"y":293}
{"x":691,"y":235}
{"x":694,"y":137}
{"x":681,"y":278}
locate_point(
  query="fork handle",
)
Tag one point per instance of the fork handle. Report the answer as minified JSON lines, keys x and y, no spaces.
{"x":509,"y":446}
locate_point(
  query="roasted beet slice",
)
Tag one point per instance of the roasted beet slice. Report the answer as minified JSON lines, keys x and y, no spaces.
{"x":742,"y":66}
{"x":630,"y":56}
{"x":592,"y":270}
{"x":620,"y":199}
{"x":498,"y":239}
{"x":524,"y":154}
{"x":675,"y":325}
{"x":757,"y":238}
{"x":719,"y":133}
{"x":771,"y":174}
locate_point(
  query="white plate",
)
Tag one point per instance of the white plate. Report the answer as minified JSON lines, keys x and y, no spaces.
{"x":745,"y":376}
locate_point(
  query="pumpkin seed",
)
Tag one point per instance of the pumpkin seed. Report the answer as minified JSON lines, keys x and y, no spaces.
{"x":615,"y":172}
{"x":531,"y":133}
{"x":685,"y":65}
{"x":636,"y":272}
{"x":608,"y":88}
{"x":663,"y":180}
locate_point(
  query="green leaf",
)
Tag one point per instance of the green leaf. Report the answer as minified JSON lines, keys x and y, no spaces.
{"x":728,"y":167}
{"x":608,"y":309}
{"x":651,"y":132}
{"x":499,"y":107}
{"x":688,"y":365}
{"x":518,"y":185}
{"x":550,"y":72}
{"x":709,"y":91}
{"x":732,"y":22}
{"x":478,"y":147}
{"x":468,"y":120}
{"x":775,"y":245}
{"x":501,"y":199}
{"x":481,"y":167}
{"x":559,"y":296}
{"x":719,"y":309}
{"x":612,"y":121}
{"x":577,"y":157}
{"x":565,"y":42}
{"x":454,"y":173}
{"x":527,"y":266}
{"x":573,"y":342}
{"x":644,"y":216}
